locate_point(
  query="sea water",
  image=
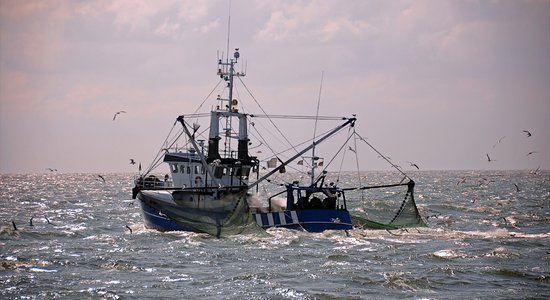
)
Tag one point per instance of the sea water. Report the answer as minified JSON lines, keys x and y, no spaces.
{"x":486,"y":238}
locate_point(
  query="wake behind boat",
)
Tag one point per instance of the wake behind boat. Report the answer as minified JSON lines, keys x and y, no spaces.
{"x":210,"y":185}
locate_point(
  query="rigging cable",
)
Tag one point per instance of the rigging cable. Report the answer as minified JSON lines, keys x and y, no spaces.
{"x":334,"y":157}
{"x":357,"y":163}
{"x":292,"y":147}
{"x":156,"y":162}
{"x":157,"y":159}
{"x":209,"y":94}
{"x":296,"y":117}
{"x":383,"y":156}
{"x":277,"y":128}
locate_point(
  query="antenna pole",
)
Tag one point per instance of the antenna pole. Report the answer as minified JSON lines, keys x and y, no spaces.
{"x":228,"y":28}
{"x":315,"y":131}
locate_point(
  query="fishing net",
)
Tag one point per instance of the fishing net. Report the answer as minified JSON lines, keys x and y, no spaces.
{"x":230,"y":216}
{"x":390,"y":207}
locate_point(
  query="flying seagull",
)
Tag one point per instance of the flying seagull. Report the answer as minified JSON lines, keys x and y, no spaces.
{"x":132,"y":161}
{"x":351,"y":149}
{"x":117,"y":113}
{"x":51,"y":170}
{"x":413,"y":165}
{"x":532,"y":152}
{"x":129,"y":229}
{"x":499,"y":141}
{"x":528,"y":133}
{"x":101,"y":177}
{"x":517,"y":187}
{"x":489,"y":158}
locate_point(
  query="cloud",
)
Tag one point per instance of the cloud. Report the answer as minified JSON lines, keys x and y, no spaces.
{"x":292,"y":20}
{"x":423,"y":65}
{"x":170,"y":18}
{"x":18,"y":92}
{"x":343,"y":27}
{"x":193,"y":11}
{"x":31,"y":32}
{"x":135,"y":14}
{"x":177,"y":29}
{"x":465,"y":42}
{"x":168,"y":28}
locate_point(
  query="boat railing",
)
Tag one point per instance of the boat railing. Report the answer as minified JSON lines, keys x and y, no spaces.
{"x":152,"y":181}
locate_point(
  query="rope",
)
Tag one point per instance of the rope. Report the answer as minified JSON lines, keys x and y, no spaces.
{"x":334,"y":157}
{"x":206,"y":98}
{"x":383,"y":156}
{"x":299,"y":117}
{"x":156,"y":162}
{"x":357,"y":163}
{"x":269,"y":118}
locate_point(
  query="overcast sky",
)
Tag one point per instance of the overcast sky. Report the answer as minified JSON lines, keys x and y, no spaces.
{"x":438,"y":83}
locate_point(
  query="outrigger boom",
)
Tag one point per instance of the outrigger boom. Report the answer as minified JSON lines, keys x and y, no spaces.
{"x":350,"y":121}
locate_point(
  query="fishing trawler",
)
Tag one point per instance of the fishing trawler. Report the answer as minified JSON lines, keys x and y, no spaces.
{"x":209,"y":185}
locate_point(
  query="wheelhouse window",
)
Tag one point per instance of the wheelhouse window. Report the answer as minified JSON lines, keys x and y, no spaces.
{"x":174,"y":168}
{"x":242,"y":171}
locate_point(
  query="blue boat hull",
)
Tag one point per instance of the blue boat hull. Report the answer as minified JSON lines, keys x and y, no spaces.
{"x":155,"y":220}
{"x":312,"y":220}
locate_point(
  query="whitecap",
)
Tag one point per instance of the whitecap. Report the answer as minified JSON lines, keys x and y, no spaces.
{"x":335,"y":264}
{"x":168,"y":279}
{"x":39,"y":270}
{"x":448,"y":254}
{"x":530,"y":236}
{"x":289,"y":293}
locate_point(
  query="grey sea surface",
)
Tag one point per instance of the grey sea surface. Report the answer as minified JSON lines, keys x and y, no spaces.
{"x":485,"y":239}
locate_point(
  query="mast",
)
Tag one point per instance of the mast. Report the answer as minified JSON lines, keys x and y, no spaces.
{"x":227,"y":108}
{"x":313,"y":158}
{"x":226,"y":71}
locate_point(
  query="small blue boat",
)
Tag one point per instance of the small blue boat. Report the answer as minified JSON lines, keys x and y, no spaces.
{"x":311,"y":208}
